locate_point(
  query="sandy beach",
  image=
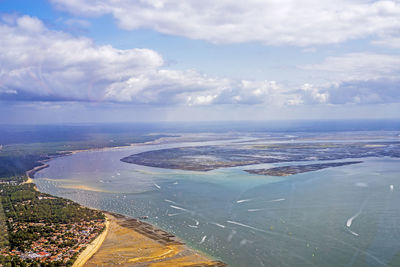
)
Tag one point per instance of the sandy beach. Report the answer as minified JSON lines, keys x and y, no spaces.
{"x":31,"y":173}
{"x":92,"y":248}
{"x":131,"y":242}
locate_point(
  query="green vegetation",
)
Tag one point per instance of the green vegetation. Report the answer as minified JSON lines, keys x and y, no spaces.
{"x":16,"y":159}
{"x":32,"y":222}
{"x":38,"y":229}
{"x":3,"y":228}
{"x":42,"y":207}
{"x":14,"y":166}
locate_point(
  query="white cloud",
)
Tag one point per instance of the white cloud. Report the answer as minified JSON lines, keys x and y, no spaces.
{"x":311,"y":94}
{"x":388,"y":41}
{"x":357,"y":66}
{"x":356,"y":78}
{"x":39,"y":61}
{"x":46,"y":65}
{"x":295,"y":22}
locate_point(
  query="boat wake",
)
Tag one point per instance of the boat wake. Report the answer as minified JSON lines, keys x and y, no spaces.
{"x":243,"y":200}
{"x":203,"y":239}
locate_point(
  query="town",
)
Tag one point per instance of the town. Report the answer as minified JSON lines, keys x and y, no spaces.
{"x":37,"y":228}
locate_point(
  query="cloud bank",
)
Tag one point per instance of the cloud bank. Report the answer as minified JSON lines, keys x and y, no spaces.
{"x":273,"y":22}
{"x":39,"y":64}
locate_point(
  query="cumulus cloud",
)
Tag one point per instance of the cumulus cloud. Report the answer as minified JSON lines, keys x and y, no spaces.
{"x":358,"y":78}
{"x":39,"y":61}
{"x":39,"y":64}
{"x":303,"y":23}
{"x":243,"y":92}
{"x":379,"y":91}
{"x":357,"y":66}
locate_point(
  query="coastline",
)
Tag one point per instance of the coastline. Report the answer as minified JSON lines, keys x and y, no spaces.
{"x":93,"y":247}
{"x":166,"y":249}
{"x":136,"y":243}
{"x":31,"y":173}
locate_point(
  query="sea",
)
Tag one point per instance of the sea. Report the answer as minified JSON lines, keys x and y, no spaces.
{"x":342,"y":216}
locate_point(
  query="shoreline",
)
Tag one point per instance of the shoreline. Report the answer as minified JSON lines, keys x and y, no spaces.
{"x":136,"y":243}
{"x":31,"y":173}
{"x":167,"y":249}
{"x":154,"y":142}
{"x":141,"y":229}
{"x":93,"y":246}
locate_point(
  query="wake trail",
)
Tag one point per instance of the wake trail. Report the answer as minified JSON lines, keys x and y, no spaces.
{"x":350,"y":220}
{"x":156,"y":185}
{"x":247,"y":226}
{"x":219,"y":225}
{"x":179,"y":208}
{"x":170,"y":201}
{"x":203,"y":239}
{"x":244,"y":200}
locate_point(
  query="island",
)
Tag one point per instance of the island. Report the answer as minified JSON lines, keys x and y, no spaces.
{"x":207,"y":158}
{"x":295,"y":169}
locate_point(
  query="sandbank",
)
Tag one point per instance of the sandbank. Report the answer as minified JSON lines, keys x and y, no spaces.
{"x":131,"y":242}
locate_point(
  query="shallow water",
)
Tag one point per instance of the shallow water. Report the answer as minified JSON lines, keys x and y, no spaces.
{"x":246,"y":219}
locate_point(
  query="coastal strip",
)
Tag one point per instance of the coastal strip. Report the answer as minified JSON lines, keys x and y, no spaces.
{"x":93,"y":247}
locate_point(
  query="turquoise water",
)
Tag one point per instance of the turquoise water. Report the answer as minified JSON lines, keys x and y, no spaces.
{"x":345,"y":216}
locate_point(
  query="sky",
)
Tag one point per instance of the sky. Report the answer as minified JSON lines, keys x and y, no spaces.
{"x":77,"y":61}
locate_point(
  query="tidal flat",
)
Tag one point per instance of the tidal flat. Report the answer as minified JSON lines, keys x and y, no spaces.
{"x":346,"y":215}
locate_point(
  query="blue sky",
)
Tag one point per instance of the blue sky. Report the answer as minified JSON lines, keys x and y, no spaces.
{"x":151,"y":60}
